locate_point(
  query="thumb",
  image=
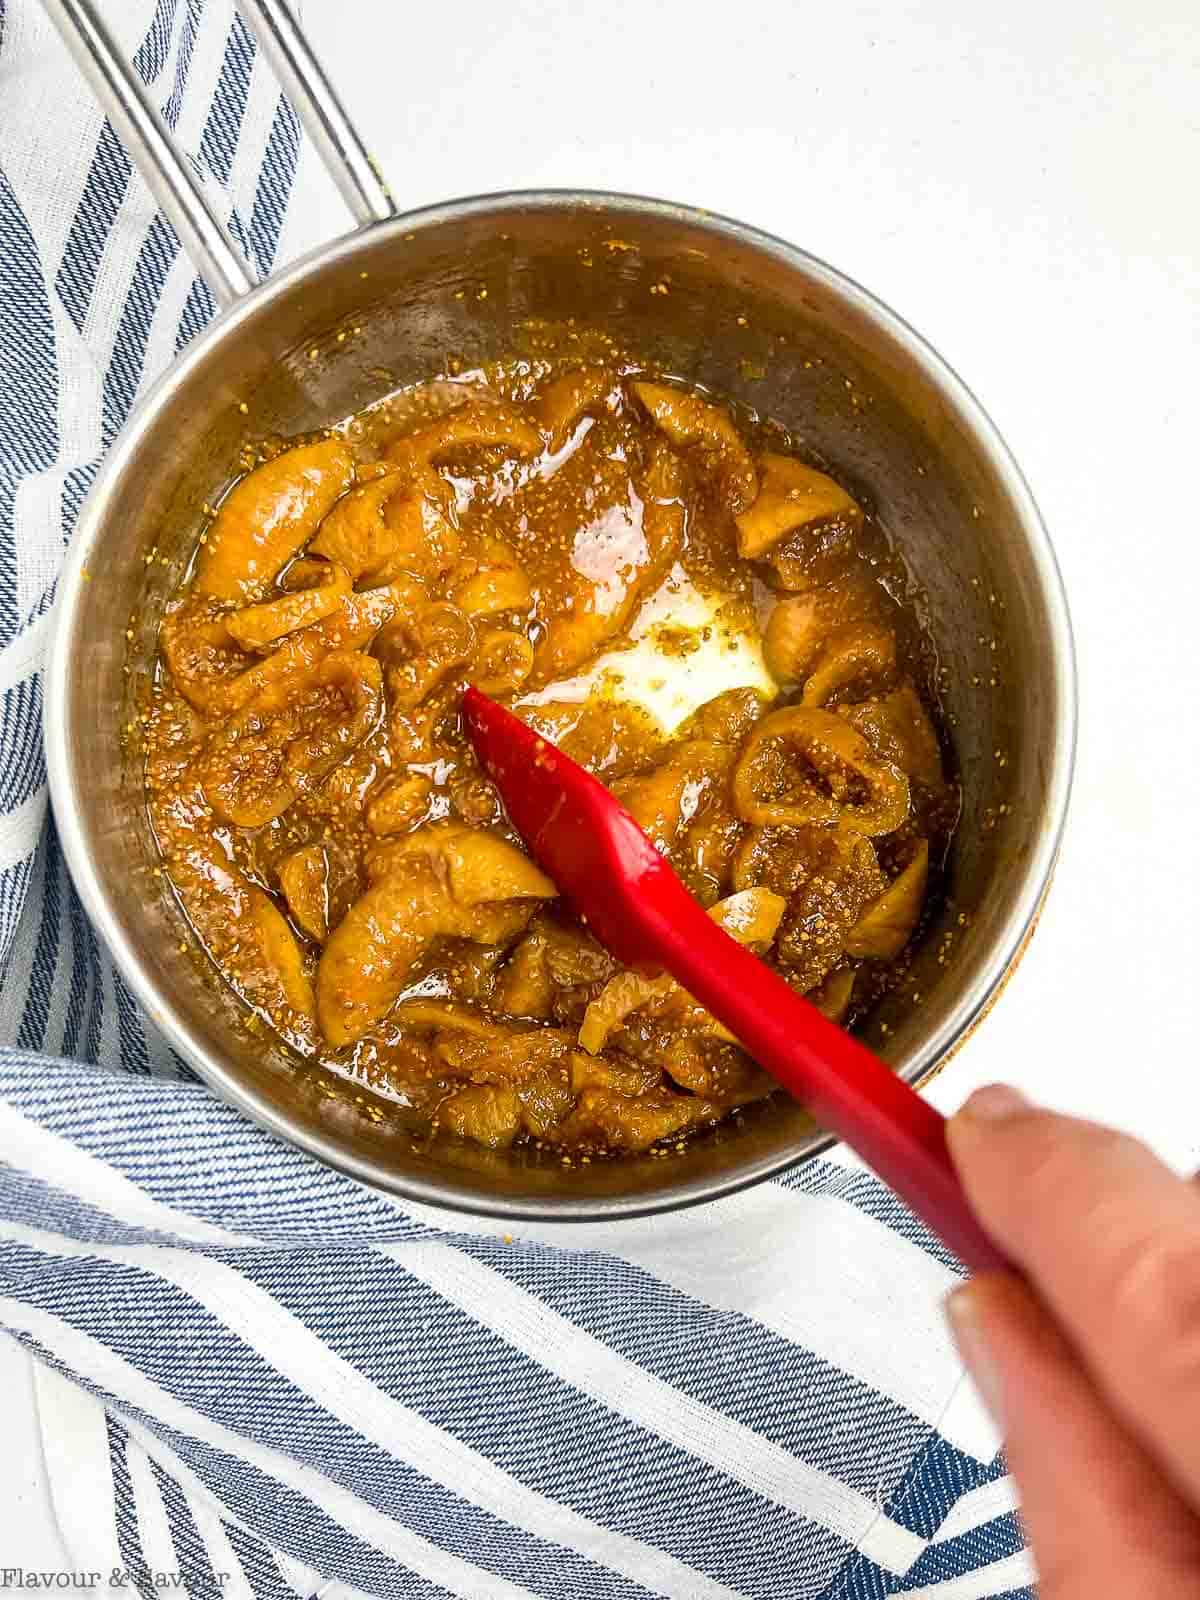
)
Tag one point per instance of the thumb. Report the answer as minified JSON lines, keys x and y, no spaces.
{"x":1109,"y":1240}
{"x":1090,"y":1364}
{"x":1100,"y":1517}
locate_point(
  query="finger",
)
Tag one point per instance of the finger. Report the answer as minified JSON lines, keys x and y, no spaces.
{"x":1110,"y":1239}
{"x":1100,"y":1515}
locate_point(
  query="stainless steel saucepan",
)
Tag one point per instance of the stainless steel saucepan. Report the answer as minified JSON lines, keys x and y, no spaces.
{"x":748,"y":315}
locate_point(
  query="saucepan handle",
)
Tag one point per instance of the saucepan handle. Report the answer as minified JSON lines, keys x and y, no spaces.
{"x":173,"y":180}
{"x":303,"y":80}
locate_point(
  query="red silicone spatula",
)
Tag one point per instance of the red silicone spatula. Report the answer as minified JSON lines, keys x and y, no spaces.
{"x":614,"y":878}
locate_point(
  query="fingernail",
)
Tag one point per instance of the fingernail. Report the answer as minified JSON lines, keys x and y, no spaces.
{"x":971,"y":1342}
{"x":995,"y":1103}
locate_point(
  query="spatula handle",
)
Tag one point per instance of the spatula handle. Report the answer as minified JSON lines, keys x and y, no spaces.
{"x":639,"y":909}
{"x":848,"y":1089}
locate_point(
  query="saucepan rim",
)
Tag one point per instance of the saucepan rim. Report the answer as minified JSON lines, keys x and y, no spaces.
{"x":67,"y":801}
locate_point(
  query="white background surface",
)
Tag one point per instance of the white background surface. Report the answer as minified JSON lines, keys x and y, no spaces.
{"x":1020,"y":182}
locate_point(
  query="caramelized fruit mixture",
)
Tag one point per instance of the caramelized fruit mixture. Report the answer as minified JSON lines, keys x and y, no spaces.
{"x":541,"y":531}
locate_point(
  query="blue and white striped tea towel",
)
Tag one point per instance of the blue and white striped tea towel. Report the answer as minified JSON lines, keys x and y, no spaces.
{"x":255,"y":1377}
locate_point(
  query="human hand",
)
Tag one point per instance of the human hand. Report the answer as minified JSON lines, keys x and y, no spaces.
{"x":1092,"y":1365}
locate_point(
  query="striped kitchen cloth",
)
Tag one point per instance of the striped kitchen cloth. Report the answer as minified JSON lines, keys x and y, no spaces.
{"x":256,"y":1377}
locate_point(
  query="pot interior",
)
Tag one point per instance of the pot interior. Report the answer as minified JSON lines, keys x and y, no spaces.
{"x":724,"y":308}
